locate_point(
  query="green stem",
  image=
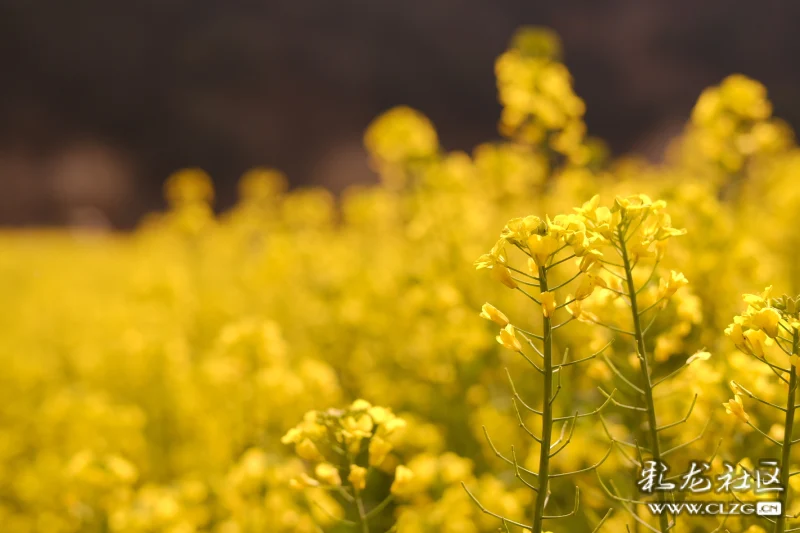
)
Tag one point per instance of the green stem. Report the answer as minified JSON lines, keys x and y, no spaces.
{"x":647,"y":385}
{"x":547,"y":414}
{"x":362,"y":514}
{"x":786,"y":449}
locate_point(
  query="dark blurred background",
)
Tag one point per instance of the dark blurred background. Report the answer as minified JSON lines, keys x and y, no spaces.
{"x":101,"y":100}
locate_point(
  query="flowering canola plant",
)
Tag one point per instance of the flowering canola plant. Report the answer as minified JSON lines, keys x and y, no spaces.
{"x":306,"y":363}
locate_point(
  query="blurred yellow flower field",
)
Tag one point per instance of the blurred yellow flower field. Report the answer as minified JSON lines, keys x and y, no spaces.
{"x":500,"y":340}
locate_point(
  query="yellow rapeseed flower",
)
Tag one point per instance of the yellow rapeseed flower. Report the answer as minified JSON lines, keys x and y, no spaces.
{"x":358,"y":477}
{"x":490,"y":312}
{"x":767,"y":319}
{"x":402,"y":480}
{"x":508,"y":339}
{"x":736,"y":408}
{"x":379,"y":448}
{"x":548,"y":303}
{"x":329,"y":474}
{"x":307,"y":450}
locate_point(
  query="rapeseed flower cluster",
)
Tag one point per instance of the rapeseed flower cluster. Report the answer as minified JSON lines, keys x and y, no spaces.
{"x":535,"y":89}
{"x":732,"y":123}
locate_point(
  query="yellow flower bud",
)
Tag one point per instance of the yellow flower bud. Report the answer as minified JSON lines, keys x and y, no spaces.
{"x":402,"y":479}
{"x":307,"y":450}
{"x":490,"y":312}
{"x":378,"y":450}
{"x":380,"y":415}
{"x":358,"y":477}
{"x":548,"y":303}
{"x":360,"y":405}
{"x":292,"y":436}
{"x":358,"y":427}
{"x":392,"y":425}
{"x":501,"y":274}
{"x":327,"y":473}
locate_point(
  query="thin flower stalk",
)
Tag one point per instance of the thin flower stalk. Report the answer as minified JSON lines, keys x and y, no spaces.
{"x":543,"y":242}
{"x":751,"y":333}
{"x":636,"y":229}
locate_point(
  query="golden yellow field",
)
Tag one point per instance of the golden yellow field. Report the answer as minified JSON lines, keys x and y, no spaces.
{"x":306,"y":363}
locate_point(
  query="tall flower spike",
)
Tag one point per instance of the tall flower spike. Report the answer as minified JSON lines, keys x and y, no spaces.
{"x":549,"y":244}
{"x":770,"y":325}
{"x":635,"y":229}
